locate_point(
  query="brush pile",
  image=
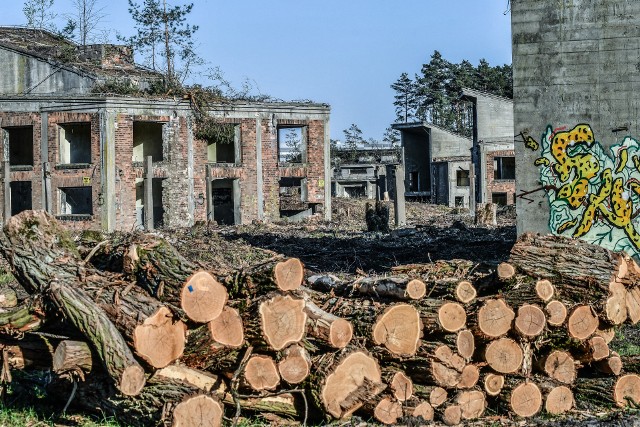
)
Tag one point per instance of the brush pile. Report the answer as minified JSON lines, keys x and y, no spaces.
{"x":136,"y":331}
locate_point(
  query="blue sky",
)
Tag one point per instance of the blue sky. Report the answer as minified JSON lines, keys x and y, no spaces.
{"x":342,"y":52}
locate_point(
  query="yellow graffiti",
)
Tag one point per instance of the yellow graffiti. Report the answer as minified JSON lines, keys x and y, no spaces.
{"x":541,"y":161}
{"x":531,"y":143}
{"x":582,"y":163}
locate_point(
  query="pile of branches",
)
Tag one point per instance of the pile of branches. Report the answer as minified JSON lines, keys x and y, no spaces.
{"x":146,"y":336}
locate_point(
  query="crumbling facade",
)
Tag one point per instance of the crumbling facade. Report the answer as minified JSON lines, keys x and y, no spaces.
{"x":118,"y":163}
{"x":576,"y":116}
{"x":438,"y":163}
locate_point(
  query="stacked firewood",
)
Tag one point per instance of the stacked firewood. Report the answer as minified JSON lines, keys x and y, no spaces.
{"x":150,"y":337}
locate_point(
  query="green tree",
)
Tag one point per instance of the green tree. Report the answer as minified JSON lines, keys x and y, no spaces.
{"x":293,"y":141}
{"x":162,"y":30}
{"x":391,"y":136}
{"x":352,"y":140}
{"x":433,"y":102}
{"x":405,"y":99}
{"x":39,"y":14}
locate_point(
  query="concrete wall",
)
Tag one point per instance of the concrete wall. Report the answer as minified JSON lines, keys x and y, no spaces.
{"x":25,"y":74}
{"x":494,"y":115}
{"x":576,"y":63}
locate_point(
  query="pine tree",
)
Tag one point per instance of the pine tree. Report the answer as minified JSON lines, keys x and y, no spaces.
{"x":405,"y":98}
{"x":391,"y":136}
{"x":352,"y":139}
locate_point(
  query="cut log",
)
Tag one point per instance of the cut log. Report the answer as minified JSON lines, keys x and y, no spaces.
{"x":468,"y":377}
{"x":616,"y":304}
{"x":198,"y":411}
{"x":202,"y":297}
{"x":633,"y":304}
{"x":593,"y":349}
{"x":560,"y":366}
{"x":505,"y":271}
{"x":472,"y":404}
{"x":465,"y":344}
{"x":388,"y":411}
{"x":403,"y":289}
{"x":465,"y":292}
{"x":556,"y":313}
{"x":504,"y":355}
{"x":295,"y":365}
{"x":353,"y":380}
{"x":582,"y":322}
{"x":72,"y":356}
{"x":283,"y":320}
{"x":495,"y":318}
{"x":607,"y":333}
{"x":227,"y":328}
{"x":493,"y":384}
{"x":559,"y":400}
{"x":160,"y":339}
{"x":30,"y":353}
{"x":544,"y":290}
{"x":401,"y":386}
{"x":282,"y":404}
{"x":452,"y":415}
{"x":612,"y":365}
{"x":423,"y":410}
{"x":525,"y":399}
{"x":449,"y":317}
{"x":399,"y":329}
{"x":437,"y":396}
{"x":530,"y":321}
{"x":627,"y":391}
{"x":570,"y":261}
{"x":486,"y":214}
{"x":333,"y":330}
{"x":289,"y":274}
{"x":202,"y":352}
{"x":261,"y":373}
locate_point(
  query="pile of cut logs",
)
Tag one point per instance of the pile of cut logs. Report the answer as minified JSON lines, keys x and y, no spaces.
{"x":132,"y":329}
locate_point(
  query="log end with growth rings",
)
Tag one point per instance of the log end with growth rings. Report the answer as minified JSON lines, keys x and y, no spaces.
{"x":283,"y":320}
{"x":356,"y":379}
{"x":203,"y":297}
{"x":198,"y":411}
{"x":438,"y":396}
{"x":493,"y":384}
{"x":465,"y":292}
{"x":465,"y":344}
{"x":401,"y":386}
{"x":469,"y":377}
{"x":544,"y":290}
{"x":452,"y":316}
{"x":289,"y":274}
{"x":627,"y":391}
{"x":227,"y":329}
{"x":495,"y":318}
{"x":505,"y":271}
{"x":559,"y":400}
{"x":132,"y":381}
{"x":160,"y":339}
{"x":452,"y":415}
{"x":388,"y":411}
{"x":616,"y":304}
{"x":424,"y":410}
{"x":582,"y":322}
{"x":556,"y":313}
{"x":560,"y":366}
{"x":504,"y":355}
{"x":340,"y":333}
{"x":295,"y":365}
{"x":261,"y":373}
{"x":526,"y":399}
{"x":416,"y":289}
{"x":399,"y":329}
{"x":530,"y":321}
{"x":472,"y":404}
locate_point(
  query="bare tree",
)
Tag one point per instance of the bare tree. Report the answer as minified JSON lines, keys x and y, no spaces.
{"x":88,"y":14}
{"x":39,"y":14}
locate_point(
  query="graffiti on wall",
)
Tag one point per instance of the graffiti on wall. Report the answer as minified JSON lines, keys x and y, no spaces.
{"x":593,"y":194}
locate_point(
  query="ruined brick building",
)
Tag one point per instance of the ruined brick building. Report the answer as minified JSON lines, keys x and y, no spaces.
{"x":114,"y":162}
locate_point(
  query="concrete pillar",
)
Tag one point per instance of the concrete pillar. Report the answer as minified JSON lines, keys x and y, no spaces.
{"x":6,"y":174}
{"x":148,"y":193}
{"x":47,"y":196}
{"x":472,"y":189}
{"x":398,"y":203}
{"x":237,"y":202}
{"x":259,"y":182}
{"x":110,"y":202}
{"x":209,"y":189}
{"x":46,"y":167}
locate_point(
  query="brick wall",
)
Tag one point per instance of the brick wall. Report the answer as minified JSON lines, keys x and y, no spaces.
{"x":507,"y":186}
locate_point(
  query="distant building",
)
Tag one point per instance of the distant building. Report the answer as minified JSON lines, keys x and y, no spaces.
{"x":70,"y":146}
{"x":364,"y":176}
{"x":437,"y":162}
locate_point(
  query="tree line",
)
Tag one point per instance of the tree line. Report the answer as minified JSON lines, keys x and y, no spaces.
{"x":434,"y":94}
